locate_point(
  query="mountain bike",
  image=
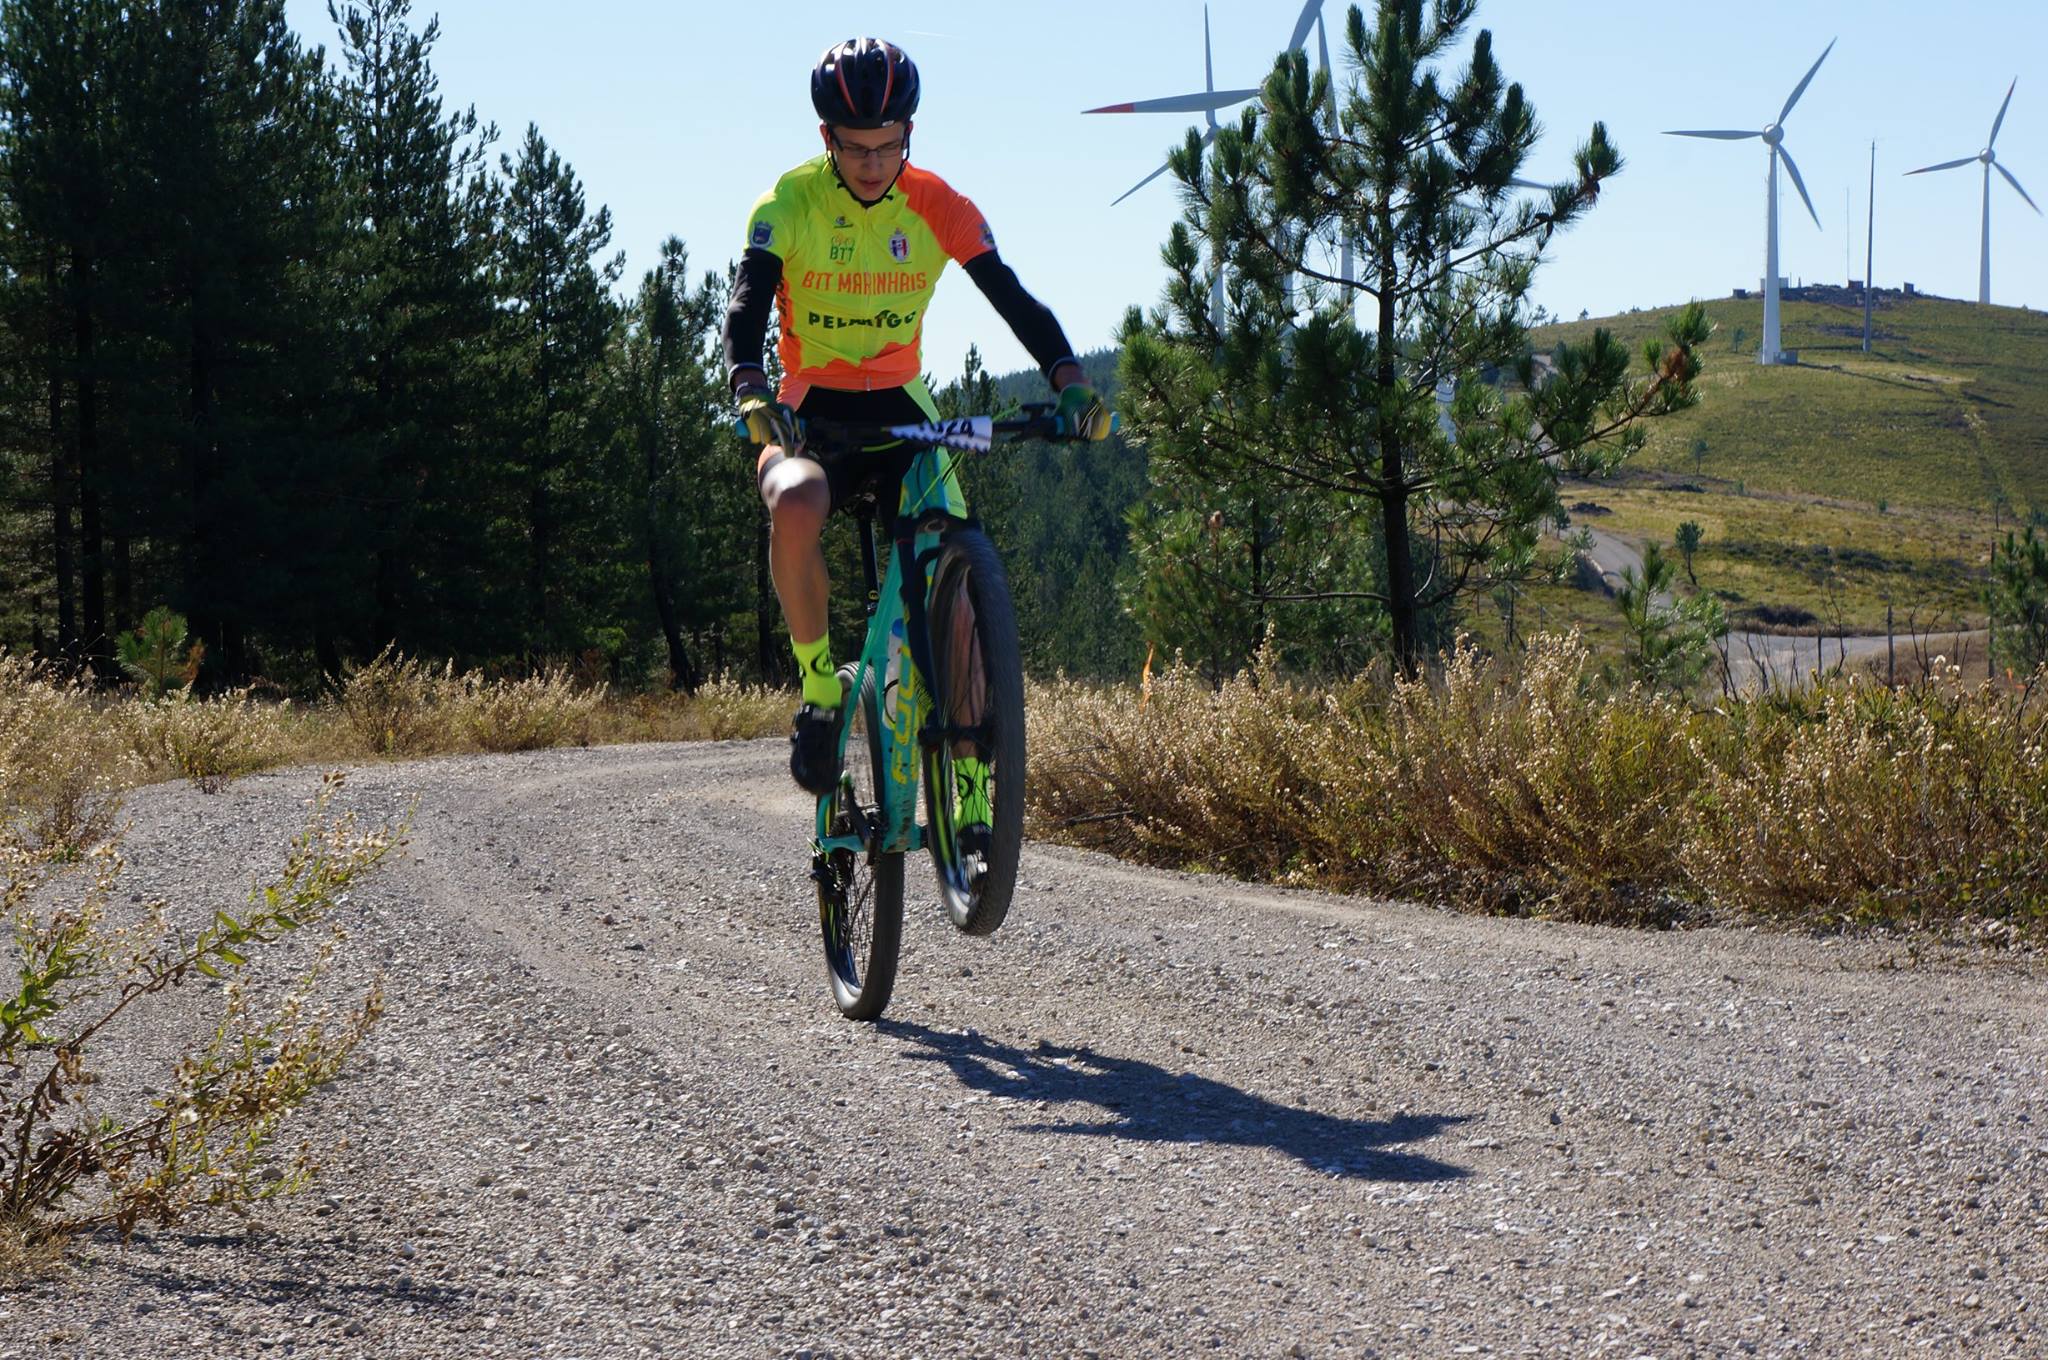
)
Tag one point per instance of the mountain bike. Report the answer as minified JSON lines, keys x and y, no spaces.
{"x":939,"y":685}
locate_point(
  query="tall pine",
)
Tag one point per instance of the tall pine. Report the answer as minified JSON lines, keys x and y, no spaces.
{"x":417,"y":311}
{"x":556,"y":317}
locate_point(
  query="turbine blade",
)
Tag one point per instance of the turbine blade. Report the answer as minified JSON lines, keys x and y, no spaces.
{"x":1140,"y":184}
{"x":1945,"y":165}
{"x":1207,"y":137}
{"x":1800,"y":88}
{"x":1310,"y":12}
{"x":1181,"y":103}
{"x":1999,"y":121}
{"x":2016,"y":184}
{"x":1799,"y":184}
{"x":1723,"y":135}
{"x":1528,"y":184}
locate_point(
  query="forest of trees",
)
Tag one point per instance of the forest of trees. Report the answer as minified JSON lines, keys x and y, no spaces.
{"x":290,"y":344}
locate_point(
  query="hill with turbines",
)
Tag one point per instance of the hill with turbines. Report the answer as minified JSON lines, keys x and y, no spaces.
{"x":1849,"y":488}
{"x":1947,"y":411}
{"x":1834,"y":493}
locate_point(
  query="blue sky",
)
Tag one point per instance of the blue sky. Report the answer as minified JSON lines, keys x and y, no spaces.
{"x":677,"y":115}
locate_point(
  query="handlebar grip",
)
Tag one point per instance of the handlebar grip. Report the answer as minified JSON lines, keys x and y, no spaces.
{"x":1116,"y":422}
{"x":739,"y":427}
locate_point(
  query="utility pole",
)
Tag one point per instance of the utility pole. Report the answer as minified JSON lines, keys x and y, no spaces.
{"x":1869,"y":241}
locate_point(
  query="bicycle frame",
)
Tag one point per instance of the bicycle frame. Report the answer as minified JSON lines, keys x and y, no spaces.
{"x":916,"y":531}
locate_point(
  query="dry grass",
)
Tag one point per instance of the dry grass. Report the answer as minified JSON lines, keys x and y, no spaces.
{"x":1863,"y":804}
{"x":211,"y":742}
{"x":62,"y":765}
{"x":1533,"y":790}
{"x":722,"y":710}
{"x":66,"y":753}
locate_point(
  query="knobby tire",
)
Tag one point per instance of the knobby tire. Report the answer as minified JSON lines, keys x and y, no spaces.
{"x":967,"y":563}
{"x":860,"y":893}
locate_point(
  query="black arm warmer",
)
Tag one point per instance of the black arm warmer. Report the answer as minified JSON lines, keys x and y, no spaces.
{"x":1036,"y":328}
{"x":746,"y":320}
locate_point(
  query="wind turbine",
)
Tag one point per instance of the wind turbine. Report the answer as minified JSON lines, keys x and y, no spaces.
{"x":1206,"y":102}
{"x":1773,"y":135}
{"x":1989,"y":158}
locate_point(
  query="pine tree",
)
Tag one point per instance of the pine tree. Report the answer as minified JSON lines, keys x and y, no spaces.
{"x":233,"y":390}
{"x":58,"y":63}
{"x":417,"y":309}
{"x":1285,"y":388}
{"x":557,"y":316}
{"x":696,"y":521}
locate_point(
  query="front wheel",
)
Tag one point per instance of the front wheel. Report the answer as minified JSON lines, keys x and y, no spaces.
{"x":974,"y":772}
{"x":860,"y":892}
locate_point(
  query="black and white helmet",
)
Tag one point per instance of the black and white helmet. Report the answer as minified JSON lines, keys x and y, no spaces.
{"x":864,"y":83}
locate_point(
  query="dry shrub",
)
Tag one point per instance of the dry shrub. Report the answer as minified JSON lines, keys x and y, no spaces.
{"x":1528,"y":789}
{"x":1197,"y":777}
{"x":542,"y":710}
{"x":1490,"y":788}
{"x":394,"y":704}
{"x":720,"y":710}
{"x":726,"y":710}
{"x":1519,"y":788}
{"x":211,"y":742}
{"x":1860,"y":804}
{"x":62,"y":767}
{"x":398,"y":705}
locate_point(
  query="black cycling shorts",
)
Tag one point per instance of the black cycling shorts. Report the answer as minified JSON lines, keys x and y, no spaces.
{"x":846,"y":474}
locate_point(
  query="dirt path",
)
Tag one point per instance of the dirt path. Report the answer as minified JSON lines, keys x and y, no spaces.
{"x":612,"y":1113}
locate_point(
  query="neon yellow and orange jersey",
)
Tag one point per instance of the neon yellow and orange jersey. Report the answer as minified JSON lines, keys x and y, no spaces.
{"x":856,"y":280}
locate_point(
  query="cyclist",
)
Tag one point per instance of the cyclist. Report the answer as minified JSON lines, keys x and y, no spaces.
{"x":849,"y":246}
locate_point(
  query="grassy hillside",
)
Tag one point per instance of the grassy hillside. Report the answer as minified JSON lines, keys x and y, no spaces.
{"x":1949,"y":410}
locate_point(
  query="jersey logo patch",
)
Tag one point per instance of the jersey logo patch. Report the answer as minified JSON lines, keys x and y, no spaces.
{"x":764,"y":234}
{"x":988,"y":238}
{"x":899,"y":247}
{"x":841,"y":223}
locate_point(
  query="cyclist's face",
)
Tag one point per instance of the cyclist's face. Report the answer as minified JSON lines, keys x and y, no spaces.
{"x":868,"y":158}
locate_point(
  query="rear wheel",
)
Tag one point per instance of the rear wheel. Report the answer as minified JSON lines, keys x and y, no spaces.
{"x":860,"y":892}
{"x":978,"y":699}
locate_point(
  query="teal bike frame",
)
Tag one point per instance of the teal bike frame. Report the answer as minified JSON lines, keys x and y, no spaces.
{"x":905,"y":707}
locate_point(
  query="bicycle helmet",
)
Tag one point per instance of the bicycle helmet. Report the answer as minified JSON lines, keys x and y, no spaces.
{"x":864,"y":83}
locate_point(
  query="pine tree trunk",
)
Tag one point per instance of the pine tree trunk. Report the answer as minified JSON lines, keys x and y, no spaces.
{"x":765,"y":606}
{"x":61,"y":480}
{"x":92,"y":574}
{"x":124,"y":583}
{"x":1394,"y":496}
{"x":540,"y":542}
{"x":683,"y":673}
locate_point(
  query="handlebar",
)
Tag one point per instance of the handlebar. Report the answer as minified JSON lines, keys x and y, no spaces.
{"x":971,"y":434}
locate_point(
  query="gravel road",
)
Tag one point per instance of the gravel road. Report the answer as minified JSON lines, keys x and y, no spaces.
{"x":1761,"y":661}
{"x":612,"y":1112}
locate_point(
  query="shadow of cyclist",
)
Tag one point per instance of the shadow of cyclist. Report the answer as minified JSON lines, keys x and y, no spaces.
{"x":1145,"y":1103}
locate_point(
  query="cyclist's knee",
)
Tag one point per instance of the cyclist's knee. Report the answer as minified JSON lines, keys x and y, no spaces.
{"x":797,"y":504}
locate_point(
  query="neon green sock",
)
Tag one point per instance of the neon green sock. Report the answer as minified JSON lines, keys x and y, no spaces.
{"x":970,"y":778}
{"x":814,"y":663}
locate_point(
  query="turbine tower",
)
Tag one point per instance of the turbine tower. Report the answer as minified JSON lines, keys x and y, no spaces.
{"x":1773,"y":135}
{"x":1989,"y":160}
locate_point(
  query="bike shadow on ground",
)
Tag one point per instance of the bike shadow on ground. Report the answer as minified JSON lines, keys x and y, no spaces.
{"x":1146,"y":1103}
